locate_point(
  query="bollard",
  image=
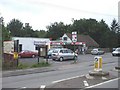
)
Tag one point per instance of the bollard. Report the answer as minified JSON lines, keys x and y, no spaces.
{"x":98,"y":63}
{"x":98,"y":68}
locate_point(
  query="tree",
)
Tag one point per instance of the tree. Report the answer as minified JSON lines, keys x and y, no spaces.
{"x":5,"y":32}
{"x":40,"y":34}
{"x":114,"y":26}
{"x":56,"y":30}
{"x":15,"y":27}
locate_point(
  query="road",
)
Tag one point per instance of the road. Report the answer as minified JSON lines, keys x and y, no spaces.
{"x":64,"y":70}
{"x":108,"y":84}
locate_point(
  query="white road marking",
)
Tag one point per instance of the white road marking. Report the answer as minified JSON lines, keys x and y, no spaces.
{"x":86,"y":83}
{"x":102,"y":83}
{"x":42,"y":86}
{"x":20,"y":88}
{"x":104,"y":78}
{"x":66,"y":79}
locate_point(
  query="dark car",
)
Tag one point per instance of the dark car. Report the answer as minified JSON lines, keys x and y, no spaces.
{"x":27,"y":54}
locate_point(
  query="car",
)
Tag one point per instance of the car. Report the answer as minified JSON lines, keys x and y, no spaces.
{"x":27,"y":54}
{"x":63,"y":54}
{"x":50,"y":51}
{"x":97,"y":51}
{"x":116,"y":52}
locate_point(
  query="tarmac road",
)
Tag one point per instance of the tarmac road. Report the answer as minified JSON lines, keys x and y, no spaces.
{"x":64,"y":71}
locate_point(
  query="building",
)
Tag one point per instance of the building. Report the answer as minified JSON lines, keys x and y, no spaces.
{"x":29,"y":43}
{"x":83,"y":42}
{"x":83,"y":39}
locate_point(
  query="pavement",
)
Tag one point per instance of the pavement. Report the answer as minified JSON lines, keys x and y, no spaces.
{"x":27,"y":71}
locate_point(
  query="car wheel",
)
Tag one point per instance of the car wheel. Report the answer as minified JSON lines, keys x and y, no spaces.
{"x":113,"y":54}
{"x":33,"y":56}
{"x":61,"y":59}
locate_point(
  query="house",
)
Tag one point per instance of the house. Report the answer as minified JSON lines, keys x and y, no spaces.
{"x":80,"y":38}
{"x":84,"y":42}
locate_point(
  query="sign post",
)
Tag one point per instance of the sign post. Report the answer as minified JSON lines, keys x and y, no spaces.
{"x":74,"y":39}
{"x":16,"y":50}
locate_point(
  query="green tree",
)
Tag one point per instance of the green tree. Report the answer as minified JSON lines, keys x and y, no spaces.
{"x":15,"y":27}
{"x":41,"y":33}
{"x":56,"y":30}
{"x":5,"y":32}
{"x":114,"y":26}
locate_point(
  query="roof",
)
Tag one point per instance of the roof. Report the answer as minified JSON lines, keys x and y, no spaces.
{"x":85,"y":38}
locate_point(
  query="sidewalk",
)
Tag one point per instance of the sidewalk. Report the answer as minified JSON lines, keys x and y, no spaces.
{"x":27,"y":71}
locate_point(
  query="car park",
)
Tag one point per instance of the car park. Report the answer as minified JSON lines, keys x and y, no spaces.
{"x":116,"y":52}
{"x":27,"y":54}
{"x":63,"y":54}
{"x":97,"y":51}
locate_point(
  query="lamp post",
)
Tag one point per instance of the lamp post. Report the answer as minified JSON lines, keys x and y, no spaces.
{"x":1,"y":27}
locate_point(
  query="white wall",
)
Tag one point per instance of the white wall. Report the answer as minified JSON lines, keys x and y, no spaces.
{"x":68,"y":39}
{"x":28,"y":42}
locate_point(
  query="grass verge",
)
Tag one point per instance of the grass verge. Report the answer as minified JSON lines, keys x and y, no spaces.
{"x":25,"y":66}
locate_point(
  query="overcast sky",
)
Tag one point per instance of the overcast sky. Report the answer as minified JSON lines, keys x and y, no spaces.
{"x":41,"y":13}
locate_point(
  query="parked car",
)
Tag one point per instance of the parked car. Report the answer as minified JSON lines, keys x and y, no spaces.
{"x":50,"y":51}
{"x":27,"y":53}
{"x":97,"y":51}
{"x":116,"y":52}
{"x":63,"y":54}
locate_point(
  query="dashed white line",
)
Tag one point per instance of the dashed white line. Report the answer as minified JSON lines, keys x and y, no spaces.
{"x":86,"y":83}
{"x":66,"y":79}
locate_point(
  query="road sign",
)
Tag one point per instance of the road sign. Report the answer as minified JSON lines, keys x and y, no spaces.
{"x":74,"y":36}
{"x":98,"y":63}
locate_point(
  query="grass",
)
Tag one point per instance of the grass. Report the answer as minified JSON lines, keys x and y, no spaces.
{"x":25,"y":66}
{"x":41,"y":64}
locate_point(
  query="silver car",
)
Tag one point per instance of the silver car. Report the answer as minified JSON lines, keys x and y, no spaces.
{"x":97,"y":51}
{"x":63,"y":54}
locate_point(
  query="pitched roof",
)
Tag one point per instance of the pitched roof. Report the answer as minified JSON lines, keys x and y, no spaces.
{"x":85,"y":38}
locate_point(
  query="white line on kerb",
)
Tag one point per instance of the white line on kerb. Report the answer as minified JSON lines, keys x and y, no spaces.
{"x":86,"y":83}
{"x":66,"y":79}
{"x":102,"y":83}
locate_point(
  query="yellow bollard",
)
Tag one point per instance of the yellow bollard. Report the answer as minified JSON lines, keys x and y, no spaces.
{"x":96,"y":64}
{"x":15,"y":56}
{"x":100,"y":63}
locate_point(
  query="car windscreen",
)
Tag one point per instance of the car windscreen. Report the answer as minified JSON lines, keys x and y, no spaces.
{"x":118,"y":49}
{"x":55,"y":51}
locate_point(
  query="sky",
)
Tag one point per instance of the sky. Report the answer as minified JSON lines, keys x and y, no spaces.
{"x":41,"y":13}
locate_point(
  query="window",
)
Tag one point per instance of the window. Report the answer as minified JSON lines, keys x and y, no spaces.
{"x":65,"y":38}
{"x":36,"y":47}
